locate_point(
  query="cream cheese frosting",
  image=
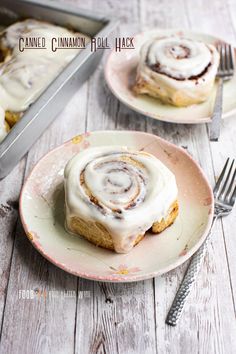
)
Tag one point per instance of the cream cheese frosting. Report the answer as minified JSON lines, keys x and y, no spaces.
{"x":177,"y":70}
{"x":25,"y":74}
{"x":131,"y":190}
{"x":179,"y":58}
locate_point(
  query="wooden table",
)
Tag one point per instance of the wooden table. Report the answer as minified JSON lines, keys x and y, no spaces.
{"x":95,"y":317}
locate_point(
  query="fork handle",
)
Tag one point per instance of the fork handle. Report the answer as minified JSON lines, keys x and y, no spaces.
{"x":187,"y":282}
{"x":217,"y":112}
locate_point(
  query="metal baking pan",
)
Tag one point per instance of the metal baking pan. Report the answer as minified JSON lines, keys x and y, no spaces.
{"x":43,"y":111}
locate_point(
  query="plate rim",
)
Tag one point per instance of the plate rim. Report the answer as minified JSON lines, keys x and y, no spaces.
{"x":154,"y":115}
{"x":113,"y":278}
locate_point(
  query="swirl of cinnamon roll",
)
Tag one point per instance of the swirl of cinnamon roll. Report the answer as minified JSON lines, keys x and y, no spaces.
{"x":177,"y":70}
{"x":114,"y":195}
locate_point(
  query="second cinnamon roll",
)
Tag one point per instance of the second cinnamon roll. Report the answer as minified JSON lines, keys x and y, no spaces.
{"x":179,"y":71}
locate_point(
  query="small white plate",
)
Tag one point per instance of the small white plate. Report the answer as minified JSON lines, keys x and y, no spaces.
{"x":42,"y":213}
{"x":120,"y":71}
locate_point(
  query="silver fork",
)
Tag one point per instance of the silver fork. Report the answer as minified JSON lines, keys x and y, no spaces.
{"x":224,"y":196}
{"x":225,"y":73}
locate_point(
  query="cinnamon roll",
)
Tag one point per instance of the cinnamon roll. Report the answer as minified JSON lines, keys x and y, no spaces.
{"x":178,"y":71}
{"x":24,"y":74}
{"x":114,"y":195}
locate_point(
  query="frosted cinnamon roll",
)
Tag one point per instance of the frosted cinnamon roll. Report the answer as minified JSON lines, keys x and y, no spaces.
{"x":176,"y":70}
{"x":114,"y":195}
{"x":24,"y":74}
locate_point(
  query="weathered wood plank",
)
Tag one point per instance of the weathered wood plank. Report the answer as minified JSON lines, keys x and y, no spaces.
{"x":119,"y":318}
{"x":211,"y":17}
{"x":9,"y":193}
{"x":44,"y":324}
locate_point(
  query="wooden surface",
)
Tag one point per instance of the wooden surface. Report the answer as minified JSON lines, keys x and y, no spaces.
{"x":116,"y":318}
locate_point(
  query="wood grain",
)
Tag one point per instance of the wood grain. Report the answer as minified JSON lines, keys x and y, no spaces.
{"x":44,"y":324}
{"x":121,"y":318}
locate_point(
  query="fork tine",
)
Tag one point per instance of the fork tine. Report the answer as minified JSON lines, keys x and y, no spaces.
{"x":231,"y":60}
{"x":233,"y":197}
{"x":223,"y":189}
{"x":227,"y":58}
{"x":219,"y":181}
{"x":220,"y":52}
{"x":222,"y":57}
{"x":231,"y":186}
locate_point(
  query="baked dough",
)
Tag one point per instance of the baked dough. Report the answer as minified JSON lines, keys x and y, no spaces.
{"x":97,"y":234}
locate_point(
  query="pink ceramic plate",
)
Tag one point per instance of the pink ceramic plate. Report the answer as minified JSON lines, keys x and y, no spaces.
{"x":120,"y":72}
{"x":42,"y":213}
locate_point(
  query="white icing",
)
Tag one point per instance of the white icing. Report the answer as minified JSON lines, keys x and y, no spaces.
{"x":116,"y":183}
{"x":177,"y":59}
{"x":24,"y":75}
